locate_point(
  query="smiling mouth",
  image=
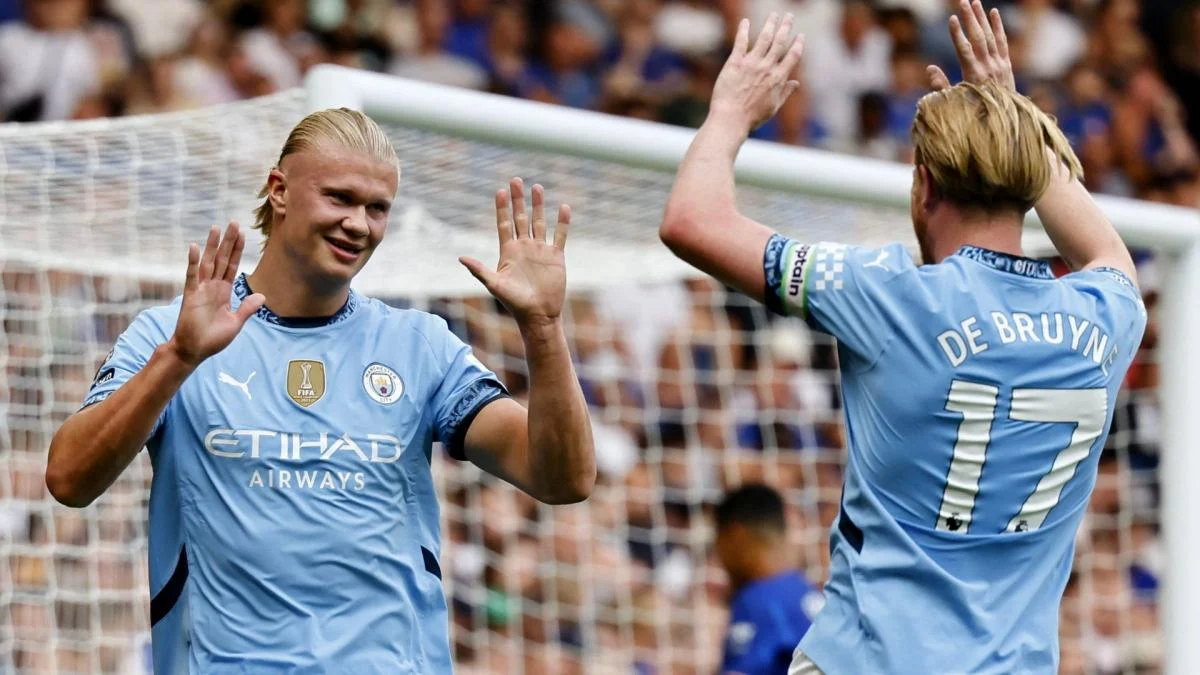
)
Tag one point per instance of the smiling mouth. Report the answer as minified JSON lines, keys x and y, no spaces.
{"x":343,"y":247}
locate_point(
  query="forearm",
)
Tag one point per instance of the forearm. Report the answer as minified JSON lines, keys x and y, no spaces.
{"x":561,"y":456}
{"x":701,"y":223}
{"x":94,"y":446}
{"x":1078,"y":227}
{"x":704,"y":183}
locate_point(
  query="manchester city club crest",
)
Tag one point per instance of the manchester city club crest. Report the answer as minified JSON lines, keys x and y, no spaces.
{"x":382,"y":384}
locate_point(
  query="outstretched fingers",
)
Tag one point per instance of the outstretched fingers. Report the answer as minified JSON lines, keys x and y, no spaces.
{"x":765,"y":37}
{"x":516,"y":188}
{"x":937,"y":78}
{"x":539,"y":213}
{"x":209,"y":257}
{"x":782,"y":39}
{"x":962,"y":47}
{"x":504,"y":223}
{"x":1001,"y":36}
{"x":792,"y":58}
{"x":235,"y":257}
{"x":985,"y":29}
{"x":560,"y":230}
{"x":741,"y":41}
{"x":190,"y":282}
{"x":974,"y":31}
{"x":225,"y":251}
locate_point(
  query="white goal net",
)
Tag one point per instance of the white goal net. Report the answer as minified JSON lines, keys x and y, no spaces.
{"x":692,"y":390}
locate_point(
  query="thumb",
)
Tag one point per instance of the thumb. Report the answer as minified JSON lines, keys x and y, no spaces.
{"x":937,"y":78}
{"x":478,"y":270}
{"x":249,"y":306}
{"x":790,"y":88}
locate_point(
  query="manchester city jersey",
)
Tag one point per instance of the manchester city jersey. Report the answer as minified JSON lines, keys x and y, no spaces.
{"x":293,"y":516}
{"x":978,"y":393}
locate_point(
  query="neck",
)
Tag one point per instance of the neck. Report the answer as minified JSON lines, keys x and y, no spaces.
{"x":759,"y":567}
{"x":995,"y":232}
{"x":291,"y":294}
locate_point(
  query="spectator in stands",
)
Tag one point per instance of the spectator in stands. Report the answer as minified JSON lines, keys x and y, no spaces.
{"x":281,"y":48}
{"x":771,"y":603}
{"x":1053,"y":39}
{"x":841,"y":69}
{"x":566,"y":55}
{"x":48,"y":63}
{"x":201,"y":75}
{"x":429,"y":62}
{"x":1151,"y":139}
{"x":508,"y":42}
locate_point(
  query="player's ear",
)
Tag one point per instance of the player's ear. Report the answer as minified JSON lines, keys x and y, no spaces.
{"x":923,"y":188}
{"x":277,"y":191}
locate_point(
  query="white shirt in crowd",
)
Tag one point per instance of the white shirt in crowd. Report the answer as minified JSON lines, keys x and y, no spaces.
{"x":837,"y":77}
{"x":60,"y":66}
{"x":277,"y":59}
{"x":1053,"y":40}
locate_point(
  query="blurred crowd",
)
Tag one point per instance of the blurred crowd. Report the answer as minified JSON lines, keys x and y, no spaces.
{"x":692,"y":391}
{"x":1123,"y":76}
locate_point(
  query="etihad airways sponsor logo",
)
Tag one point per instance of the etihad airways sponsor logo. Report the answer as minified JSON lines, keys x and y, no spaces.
{"x":250,"y":444}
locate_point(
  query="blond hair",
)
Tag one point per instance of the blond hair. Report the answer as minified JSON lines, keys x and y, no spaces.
{"x":987,"y":146}
{"x":342,"y":127}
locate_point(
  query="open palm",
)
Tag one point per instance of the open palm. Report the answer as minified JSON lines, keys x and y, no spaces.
{"x":531,"y":277}
{"x":207,"y":323}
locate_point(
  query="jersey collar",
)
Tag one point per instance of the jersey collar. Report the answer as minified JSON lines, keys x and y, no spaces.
{"x":241,"y":289}
{"x":1005,"y":262}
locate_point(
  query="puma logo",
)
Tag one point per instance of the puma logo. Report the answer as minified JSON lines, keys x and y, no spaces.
{"x":226,"y":378}
{"x":878,"y":262}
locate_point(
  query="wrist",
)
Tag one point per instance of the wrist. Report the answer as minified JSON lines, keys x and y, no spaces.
{"x":539,"y":329}
{"x":177,"y":357}
{"x":729,"y":118}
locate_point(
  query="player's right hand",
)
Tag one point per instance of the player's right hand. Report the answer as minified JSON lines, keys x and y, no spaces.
{"x":207,"y":322}
{"x":982,"y":48}
{"x":755,"y":81}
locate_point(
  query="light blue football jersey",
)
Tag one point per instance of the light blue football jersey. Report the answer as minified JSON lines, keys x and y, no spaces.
{"x":293,"y":517}
{"x":978,"y":393}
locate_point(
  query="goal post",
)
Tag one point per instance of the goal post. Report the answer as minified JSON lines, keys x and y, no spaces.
{"x":1168,"y":230}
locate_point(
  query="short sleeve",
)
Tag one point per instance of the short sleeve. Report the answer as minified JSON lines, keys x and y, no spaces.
{"x":1119,"y":299}
{"x":845,"y":291}
{"x":466,"y":387}
{"x":128,"y":356}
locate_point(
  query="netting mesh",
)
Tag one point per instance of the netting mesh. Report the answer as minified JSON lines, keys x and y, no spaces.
{"x":692,"y":390}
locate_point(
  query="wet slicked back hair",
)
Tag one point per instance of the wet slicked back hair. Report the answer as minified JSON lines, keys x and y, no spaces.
{"x":336,"y":127}
{"x":987,"y":147}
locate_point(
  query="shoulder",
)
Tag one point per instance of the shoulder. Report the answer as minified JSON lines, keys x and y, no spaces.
{"x":427,"y":327}
{"x":156,"y":323}
{"x":1104,"y":279}
{"x":1109,"y":290}
{"x":832,"y":264}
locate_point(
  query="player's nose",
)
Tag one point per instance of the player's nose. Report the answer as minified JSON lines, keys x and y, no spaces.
{"x":355,"y":223}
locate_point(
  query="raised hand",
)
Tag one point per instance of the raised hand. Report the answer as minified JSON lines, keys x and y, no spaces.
{"x":982,"y":48}
{"x":531,"y":277}
{"x":756,"y":81}
{"x":207,"y":323}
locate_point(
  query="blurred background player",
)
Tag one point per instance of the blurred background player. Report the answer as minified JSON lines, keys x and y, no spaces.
{"x":772,"y":602}
{"x":978,"y":388}
{"x":291,"y":428}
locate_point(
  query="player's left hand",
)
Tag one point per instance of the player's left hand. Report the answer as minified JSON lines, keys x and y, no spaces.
{"x":531,"y":277}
